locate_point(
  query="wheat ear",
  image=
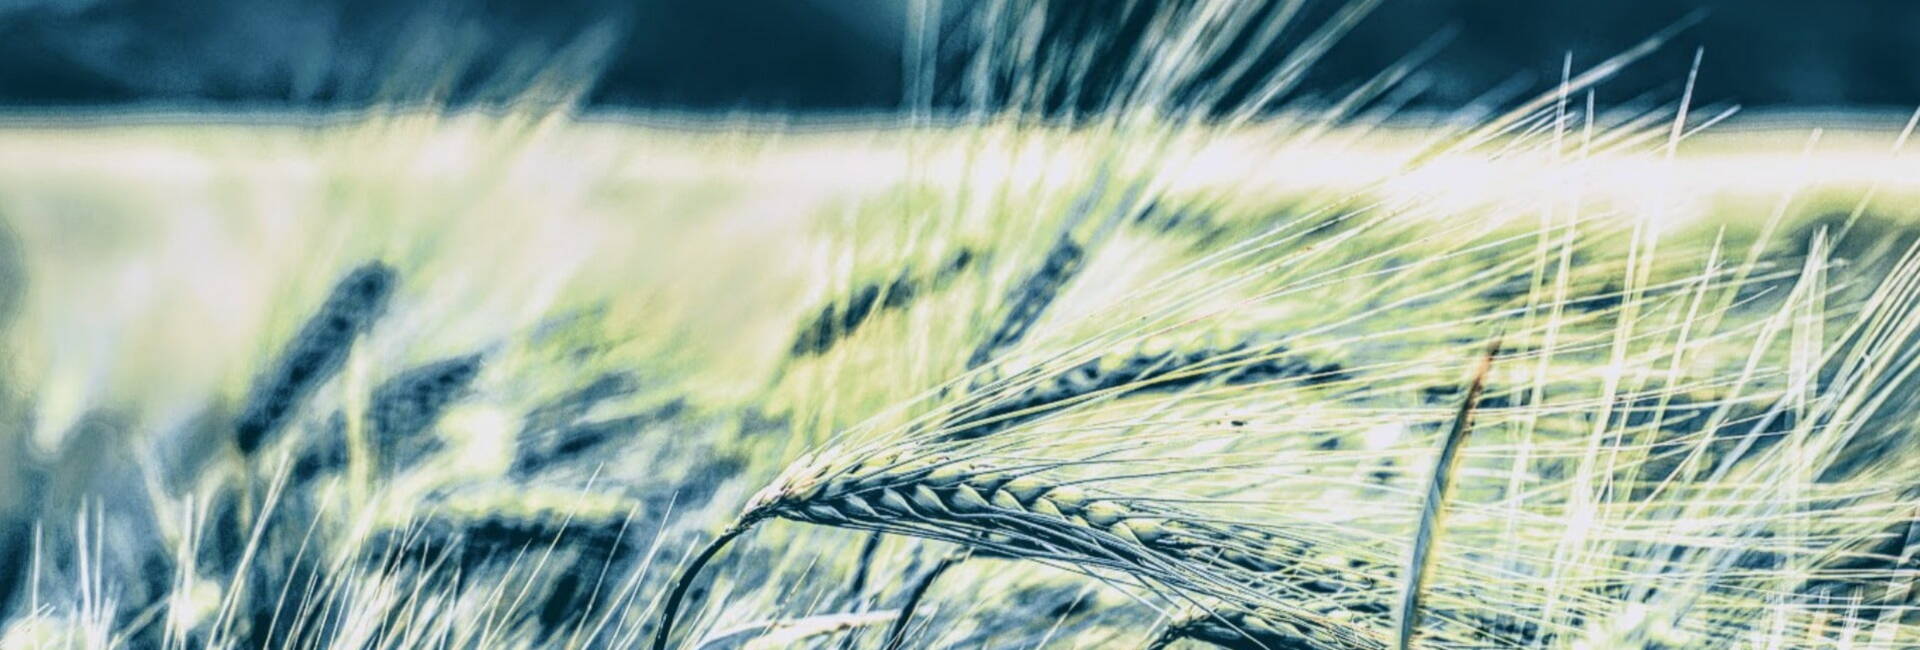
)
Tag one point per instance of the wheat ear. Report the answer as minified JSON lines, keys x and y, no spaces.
{"x":1012,"y":513}
{"x":1263,"y":628}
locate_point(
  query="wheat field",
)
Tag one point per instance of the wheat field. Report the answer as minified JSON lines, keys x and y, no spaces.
{"x":1572,"y":376}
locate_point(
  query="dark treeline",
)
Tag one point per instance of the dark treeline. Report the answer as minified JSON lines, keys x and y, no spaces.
{"x":845,"y":55}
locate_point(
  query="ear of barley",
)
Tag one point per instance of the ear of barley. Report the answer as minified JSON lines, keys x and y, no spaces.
{"x":1028,"y":300}
{"x":839,"y":320}
{"x":402,"y":407}
{"x":316,"y":352}
{"x":1264,"y":629}
{"x":1024,"y":517}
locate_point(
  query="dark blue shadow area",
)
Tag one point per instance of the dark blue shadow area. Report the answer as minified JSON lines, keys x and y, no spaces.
{"x":844,"y":55}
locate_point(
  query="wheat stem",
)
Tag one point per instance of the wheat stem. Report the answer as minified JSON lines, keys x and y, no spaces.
{"x":687,"y":576}
{"x":1421,"y":556}
{"x":857,"y":587}
{"x":897,"y":633}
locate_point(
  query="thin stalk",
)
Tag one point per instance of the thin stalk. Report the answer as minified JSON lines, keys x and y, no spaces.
{"x":687,"y":576}
{"x":1164,"y":639}
{"x":856,"y":589}
{"x":1423,"y":539}
{"x":897,"y":633}
{"x":858,"y":586}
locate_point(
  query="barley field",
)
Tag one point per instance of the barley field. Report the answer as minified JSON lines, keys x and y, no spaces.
{"x":1570,"y":376}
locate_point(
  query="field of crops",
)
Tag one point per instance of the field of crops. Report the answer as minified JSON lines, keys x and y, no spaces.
{"x":452,"y":380}
{"x":1118,"y":340}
